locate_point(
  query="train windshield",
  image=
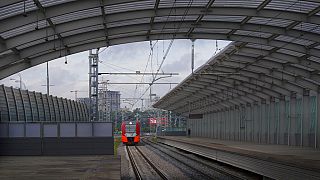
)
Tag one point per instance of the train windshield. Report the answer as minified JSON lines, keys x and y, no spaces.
{"x":130,"y":128}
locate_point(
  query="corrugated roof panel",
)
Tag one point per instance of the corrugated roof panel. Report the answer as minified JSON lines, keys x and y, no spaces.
{"x":308,"y":27}
{"x":270,"y":21}
{"x":274,"y":59}
{"x":182,"y":3}
{"x":17,"y":8}
{"x":315,"y":59}
{"x":174,"y":18}
{"x":290,"y":39}
{"x":292,"y":5}
{"x":237,"y":3}
{"x":82,"y":30}
{"x":23,"y":29}
{"x":253,"y":33}
{"x":223,"y":18}
{"x":128,"y":22}
{"x":213,"y":31}
{"x":289,"y":52}
{"x":302,"y":67}
{"x":9,"y":51}
{"x":29,"y":44}
{"x":259,"y":46}
{"x":47,"y":3}
{"x":132,"y":6}
{"x":76,"y":15}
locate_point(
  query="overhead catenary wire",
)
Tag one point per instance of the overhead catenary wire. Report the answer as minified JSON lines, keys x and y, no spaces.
{"x":151,"y":47}
{"x":170,"y":44}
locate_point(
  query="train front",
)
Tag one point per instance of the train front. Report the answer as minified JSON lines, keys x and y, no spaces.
{"x":130,"y":132}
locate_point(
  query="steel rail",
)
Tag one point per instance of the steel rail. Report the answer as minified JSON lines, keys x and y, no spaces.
{"x":209,"y":166}
{"x":160,"y":173}
{"x":188,"y":165}
{"x":134,"y":165}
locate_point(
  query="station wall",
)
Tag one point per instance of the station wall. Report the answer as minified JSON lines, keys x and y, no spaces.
{"x":291,"y":121}
{"x":56,"y":138}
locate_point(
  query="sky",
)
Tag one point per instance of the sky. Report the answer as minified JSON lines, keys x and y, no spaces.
{"x":130,"y":57}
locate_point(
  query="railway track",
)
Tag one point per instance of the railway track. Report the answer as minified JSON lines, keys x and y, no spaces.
{"x":203,"y":175}
{"x":138,"y":170}
{"x":227,"y":172}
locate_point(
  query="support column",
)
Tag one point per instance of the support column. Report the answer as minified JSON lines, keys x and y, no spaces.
{"x":237,"y":125}
{"x":292,"y":124}
{"x":306,"y":139}
{"x":248,"y":123}
{"x":219,"y":124}
{"x":215,"y":125}
{"x":231,"y":114}
{"x":225,"y":121}
{"x":256,"y":123}
{"x":317,"y":130}
{"x":208,"y":124}
{"x":272,"y":122}
{"x":211,"y":125}
{"x":282,"y":121}
{"x":242,"y":123}
{"x":263,"y":124}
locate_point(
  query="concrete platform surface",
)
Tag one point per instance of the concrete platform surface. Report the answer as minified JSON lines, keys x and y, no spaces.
{"x":60,"y":167}
{"x":301,"y":157}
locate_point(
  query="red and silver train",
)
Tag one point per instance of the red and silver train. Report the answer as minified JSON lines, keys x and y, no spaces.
{"x":130,"y":132}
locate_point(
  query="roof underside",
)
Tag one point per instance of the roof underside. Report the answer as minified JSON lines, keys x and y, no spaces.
{"x":276,"y":49}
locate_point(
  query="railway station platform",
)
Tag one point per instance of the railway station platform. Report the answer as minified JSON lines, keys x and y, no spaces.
{"x":60,"y":167}
{"x":273,"y":161}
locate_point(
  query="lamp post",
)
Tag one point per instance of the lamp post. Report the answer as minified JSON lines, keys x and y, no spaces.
{"x":48,"y":80}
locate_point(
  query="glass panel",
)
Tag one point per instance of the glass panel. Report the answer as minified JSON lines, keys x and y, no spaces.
{"x":130,"y":128}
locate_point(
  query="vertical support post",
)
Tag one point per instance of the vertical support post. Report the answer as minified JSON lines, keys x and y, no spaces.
{"x":251,"y":122}
{"x":217,"y":122}
{"x":263,"y":120}
{"x":211,"y":124}
{"x":282,"y":120}
{"x":255,"y":130}
{"x":232,"y":123}
{"x":239,"y":123}
{"x":317,"y":123}
{"x":272,"y":122}
{"x":236,"y":122}
{"x":305,"y":123}
{"x":292,"y":124}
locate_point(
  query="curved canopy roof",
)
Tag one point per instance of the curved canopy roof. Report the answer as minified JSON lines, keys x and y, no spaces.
{"x":276,"y":47}
{"x":242,"y":74}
